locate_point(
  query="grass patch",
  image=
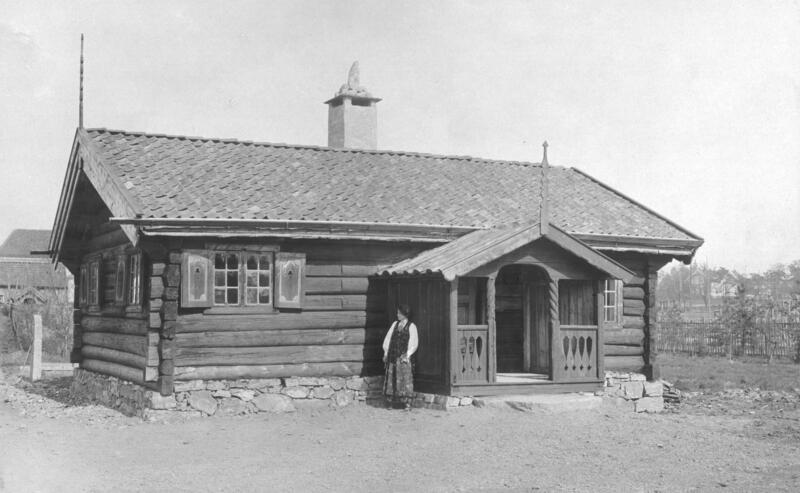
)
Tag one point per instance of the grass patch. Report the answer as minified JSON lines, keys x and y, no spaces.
{"x":710,"y":373}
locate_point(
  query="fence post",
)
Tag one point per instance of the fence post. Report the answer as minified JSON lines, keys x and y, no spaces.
{"x":36,"y":361}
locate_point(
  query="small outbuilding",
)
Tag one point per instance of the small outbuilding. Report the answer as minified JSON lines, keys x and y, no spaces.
{"x":214,"y":260}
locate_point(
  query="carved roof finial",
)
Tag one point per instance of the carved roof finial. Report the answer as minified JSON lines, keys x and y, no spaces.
{"x":544,"y":157}
{"x":353,"y":77}
{"x":353,"y":85}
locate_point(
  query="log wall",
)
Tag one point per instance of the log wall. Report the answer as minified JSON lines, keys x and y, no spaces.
{"x":338,"y":332}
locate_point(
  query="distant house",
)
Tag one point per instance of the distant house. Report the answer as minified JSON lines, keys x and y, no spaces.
{"x":26,"y":272}
{"x":207,"y":260}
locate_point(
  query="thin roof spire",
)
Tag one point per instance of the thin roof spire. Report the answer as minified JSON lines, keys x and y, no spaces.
{"x":80,"y":94}
{"x":544,"y":207}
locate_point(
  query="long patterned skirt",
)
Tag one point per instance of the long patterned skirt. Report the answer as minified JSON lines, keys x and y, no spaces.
{"x":398,"y":386}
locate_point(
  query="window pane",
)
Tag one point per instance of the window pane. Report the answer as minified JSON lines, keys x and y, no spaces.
{"x":233,"y":261}
{"x":264,"y":262}
{"x":252,"y":296}
{"x":233,"y":296}
{"x":219,"y":296}
{"x":263,"y":279}
{"x":263,"y":296}
{"x":252,"y":279}
{"x":219,"y":278}
{"x":233,"y":278}
{"x":219,"y":261}
{"x":252,"y":262}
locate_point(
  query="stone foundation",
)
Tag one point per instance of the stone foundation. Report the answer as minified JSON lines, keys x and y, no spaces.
{"x":633,"y":391}
{"x":235,"y":397}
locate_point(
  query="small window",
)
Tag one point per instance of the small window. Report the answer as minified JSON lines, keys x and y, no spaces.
{"x":119,"y":281}
{"x":84,"y":285}
{"x":612,"y":300}
{"x":93,"y":297}
{"x":242,"y":279}
{"x":134,"y":279}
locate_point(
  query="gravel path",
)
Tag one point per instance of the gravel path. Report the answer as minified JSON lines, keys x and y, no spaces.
{"x":710,"y":442}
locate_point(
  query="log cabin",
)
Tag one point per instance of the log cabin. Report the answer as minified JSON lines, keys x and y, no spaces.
{"x":201,"y":259}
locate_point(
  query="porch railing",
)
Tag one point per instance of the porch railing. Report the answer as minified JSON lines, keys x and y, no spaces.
{"x":473,"y":353}
{"x":578,"y":353}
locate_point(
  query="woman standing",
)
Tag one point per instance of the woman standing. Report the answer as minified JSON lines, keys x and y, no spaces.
{"x":399,"y":345}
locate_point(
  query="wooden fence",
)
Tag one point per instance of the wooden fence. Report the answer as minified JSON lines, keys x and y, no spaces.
{"x":767,"y":339}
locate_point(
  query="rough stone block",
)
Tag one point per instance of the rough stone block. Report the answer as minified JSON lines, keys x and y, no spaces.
{"x":296,"y":392}
{"x":637,"y":377}
{"x":221,"y":394}
{"x":618,"y":402}
{"x":263,"y":383}
{"x":243,"y":394}
{"x":216,"y":385}
{"x":312,"y":404}
{"x":336,"y":383}
{"x":633,"y":390}
{"x":323,"y":392}
{"x":453,"y":401}
{"x":649,"y":405}
{"x":466,"y":401}
{"x":356,"y":383}
{"x":615,"y":391}
{"x":239,"y":384}
{"x":189,"y":385}
{"x":274,"y":403}
{"x":653,"y":389}
{"x":306,"y":381}
{"x":202,"y":400}
{"x":157,"y":401}
{"x":231,"y":407}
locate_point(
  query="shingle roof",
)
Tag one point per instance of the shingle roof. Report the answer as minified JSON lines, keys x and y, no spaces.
{"x":189,"y":177}
{"x":21,"y":242}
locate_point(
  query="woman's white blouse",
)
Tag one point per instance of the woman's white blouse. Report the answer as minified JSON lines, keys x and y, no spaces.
{"x":413,"y":339}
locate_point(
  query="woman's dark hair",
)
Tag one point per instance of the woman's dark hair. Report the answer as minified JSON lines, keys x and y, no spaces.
{"x":405,"y":310}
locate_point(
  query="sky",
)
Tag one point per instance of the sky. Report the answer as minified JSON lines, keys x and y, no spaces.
{"x":691,"y":108}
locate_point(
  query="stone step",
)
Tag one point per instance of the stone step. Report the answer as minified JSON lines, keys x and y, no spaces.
{"x":542,"y":403}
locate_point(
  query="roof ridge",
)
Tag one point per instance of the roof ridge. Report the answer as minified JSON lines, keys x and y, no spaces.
{"x":324,"y":148}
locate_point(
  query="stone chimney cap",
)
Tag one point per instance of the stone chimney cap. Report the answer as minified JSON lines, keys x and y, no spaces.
{"x":353,"y":88}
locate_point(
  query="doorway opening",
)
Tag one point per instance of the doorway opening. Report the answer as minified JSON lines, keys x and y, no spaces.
{"x":522,"y":317}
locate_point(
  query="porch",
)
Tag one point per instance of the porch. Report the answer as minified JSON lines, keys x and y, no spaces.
{"x":524,"y":317}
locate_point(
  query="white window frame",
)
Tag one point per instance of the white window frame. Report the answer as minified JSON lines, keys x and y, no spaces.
{"x":242,"y":288}
{"x":612,"y":301}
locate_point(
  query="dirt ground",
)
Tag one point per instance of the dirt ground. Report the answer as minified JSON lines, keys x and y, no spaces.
{"x":730,"y":440}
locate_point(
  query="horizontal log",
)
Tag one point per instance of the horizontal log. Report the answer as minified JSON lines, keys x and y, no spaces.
{"x":336,"y":285}
{"x":336,"y":302}
{"x":199,"y":322}
{"x":622,"y":350}
{"x":292,"y":337}
{"x":632,"y":322}
{"x":633,"y":310}
{"x":630,"y":303}
{"x":120,"y":342}
{"x":624,"y":336}
{"x":113,"y":356}
{"x":123,"y":372}
{"x":278,"y":355}
{"x":113,"y":238}
{"x":345,"y":369}
{"x":337,"y":270}
{"x":633,"y":292}
{"x":116,"y":325}
{"x":635,"y":363}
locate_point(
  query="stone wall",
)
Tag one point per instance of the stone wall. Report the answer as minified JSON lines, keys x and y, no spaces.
{"x":634,"y":392}
{"x":235,"y":397}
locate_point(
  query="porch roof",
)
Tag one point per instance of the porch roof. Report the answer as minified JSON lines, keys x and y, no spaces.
{"x":480,"y":247}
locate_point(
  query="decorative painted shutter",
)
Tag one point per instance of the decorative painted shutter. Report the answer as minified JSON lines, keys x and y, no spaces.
{"x":120,"y":280}
{"x":197,"y":280}
{"x":289,"y":279}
